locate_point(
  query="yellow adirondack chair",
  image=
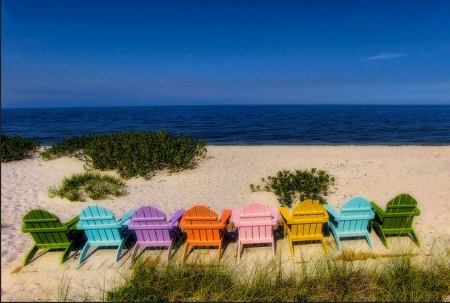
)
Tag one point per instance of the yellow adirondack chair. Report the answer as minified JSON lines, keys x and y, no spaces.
{"x":306,"y":223}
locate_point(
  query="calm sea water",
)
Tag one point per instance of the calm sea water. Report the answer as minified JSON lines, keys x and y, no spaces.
{"x":243,"y":125}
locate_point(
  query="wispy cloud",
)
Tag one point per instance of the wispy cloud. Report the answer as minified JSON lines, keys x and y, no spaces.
{"x":386,"y":56}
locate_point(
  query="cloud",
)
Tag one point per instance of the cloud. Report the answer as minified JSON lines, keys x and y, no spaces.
{"x":386,"y":56}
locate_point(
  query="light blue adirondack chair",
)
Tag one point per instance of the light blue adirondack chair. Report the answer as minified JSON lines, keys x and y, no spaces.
{"x":102,"y":229}
{"x":352,"y":221}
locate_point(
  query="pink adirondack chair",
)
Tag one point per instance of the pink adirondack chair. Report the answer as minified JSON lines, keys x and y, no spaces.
{"x":256,"y":223}
{"x":153,"y":230}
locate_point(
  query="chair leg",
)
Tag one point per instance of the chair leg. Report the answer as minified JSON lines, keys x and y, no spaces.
{"x":134,"y":251}
{"x":336,"y":239}
{"x":218,"y":253}
{"x":291,"y":246}
{"x":369,"y":241}
{"x":239,"y":244}
{"x":324,"y":245}
{"x":415,"y":237}
{"x":67,"y":251}
{"x":83,"y":252}
{"x":30,"y":255}
{"x":184,"y":252}
{"x":273,"y":248}
{"x":169,"y":249}
{"x":378,"y":229}
{"x":122,"y":244}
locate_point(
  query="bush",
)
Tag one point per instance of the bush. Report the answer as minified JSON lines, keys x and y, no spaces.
{"x":91,"y":184}
{"x":17,"y":148}
{"x":133,"y":153}
{"x":301,"y":185}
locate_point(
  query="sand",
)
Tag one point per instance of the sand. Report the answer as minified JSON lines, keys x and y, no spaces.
{"x":221,"y":181}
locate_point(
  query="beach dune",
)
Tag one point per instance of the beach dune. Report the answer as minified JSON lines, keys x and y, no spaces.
{"x":220,"y":181}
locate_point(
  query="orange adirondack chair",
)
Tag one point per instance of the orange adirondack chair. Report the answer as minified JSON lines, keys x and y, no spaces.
{"x":203,"y":228}
{"x":305,"y":223}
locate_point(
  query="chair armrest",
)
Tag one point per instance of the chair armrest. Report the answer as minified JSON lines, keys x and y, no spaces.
{"x":405,"y":214}
{"x":45,"y":230}
{"x":235,"y":216}
{"x":381,"y":213}
{"x":332,"y":212}
{"x":72,"y":224}
{"x":125,"y":217}
{"x":225,"y":216}
{"x":176,"y":216}
{"x":285,"y":214}
{"x":275,"y":214}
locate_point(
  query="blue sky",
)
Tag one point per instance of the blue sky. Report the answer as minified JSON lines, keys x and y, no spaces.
{"x":126,"y":53}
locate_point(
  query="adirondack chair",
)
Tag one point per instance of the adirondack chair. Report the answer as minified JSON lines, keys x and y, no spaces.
{"x":352,"y":220}
{"x":306,"y":223}
{"x":153,"y":230}
{"x":397,"y":219}
{"x":255,"y":223}
{"x":49,"y":233}
{"x":203,"y":228}
{"x":102,"y":229}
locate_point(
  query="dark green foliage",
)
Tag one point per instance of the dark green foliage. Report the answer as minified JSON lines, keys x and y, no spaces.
{"x":17,"y":148}
{"x":91,"y":184}
{"x":132,"y":153}
{"x":300,"y":185}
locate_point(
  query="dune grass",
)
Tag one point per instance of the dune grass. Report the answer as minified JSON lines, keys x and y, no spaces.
{"x":330,"y":279}
{"x":91,"y":184}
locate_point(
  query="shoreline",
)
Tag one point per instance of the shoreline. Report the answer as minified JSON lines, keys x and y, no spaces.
{"x":221,"y":180}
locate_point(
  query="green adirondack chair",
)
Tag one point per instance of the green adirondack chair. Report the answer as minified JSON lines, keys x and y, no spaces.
{"x":397,"y":219}
{"x":49,"y":233}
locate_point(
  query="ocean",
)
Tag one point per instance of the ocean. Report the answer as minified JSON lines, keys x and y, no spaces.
{"x":242,"y":124}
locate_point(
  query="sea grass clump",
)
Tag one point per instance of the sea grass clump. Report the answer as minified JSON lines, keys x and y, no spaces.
{"x":88,"y":184}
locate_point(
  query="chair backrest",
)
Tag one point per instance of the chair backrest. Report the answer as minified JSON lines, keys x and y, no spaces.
{"x":43,"y":227}
{"x":355,"y":215}
{"x":99,"y":224}
{"x":150,"y":225}
{"x":256,"y":221}
{"x":405,"y":206}
{"x":308,"y":218}
{"x":201,"y":224}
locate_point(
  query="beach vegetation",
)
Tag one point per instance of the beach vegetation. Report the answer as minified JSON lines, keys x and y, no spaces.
{"x":17,"y":148}
{"x":297,"y":186}
{"x":132,"y":154}
{"x":329,"y":279}
{"x":90,"y":184}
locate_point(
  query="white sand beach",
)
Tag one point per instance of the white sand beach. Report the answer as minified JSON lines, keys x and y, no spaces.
{"x":221,"y":181}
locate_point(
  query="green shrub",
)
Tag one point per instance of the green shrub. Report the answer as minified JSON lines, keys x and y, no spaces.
{"x":91,"y":184}
{"x":17,"y":148}
{"x":300,"y":185}
{"x":132,"y":153}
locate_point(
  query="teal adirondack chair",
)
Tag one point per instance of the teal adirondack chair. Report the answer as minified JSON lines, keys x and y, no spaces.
{"x":102,"y":229}
{"x":397,"y":219}
{"x":49,"y":233}
{"x":352,"y":220}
